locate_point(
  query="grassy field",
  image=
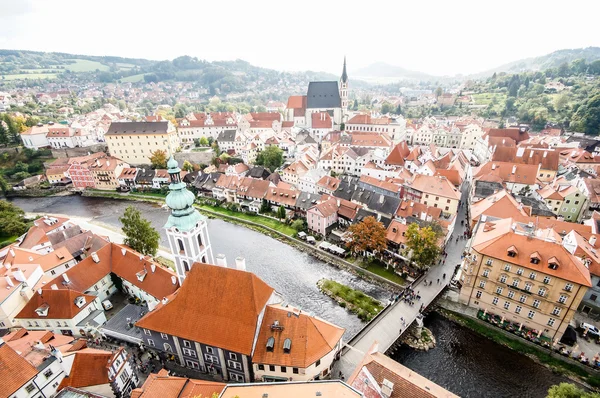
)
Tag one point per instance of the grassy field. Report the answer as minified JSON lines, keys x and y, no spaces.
{"x":267,"y":222}
{"x":201,"y":149}
{"x":487,"y":98}
{"x":366,"y":307}
{"x":25,"y":76}
{"x":379,"y":269}
{"x":83,"y":65}
{"x":133,"y":79}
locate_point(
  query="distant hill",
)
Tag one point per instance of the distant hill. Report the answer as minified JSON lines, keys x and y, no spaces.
{"x":381,"y":70}
{"x":552,"y":60}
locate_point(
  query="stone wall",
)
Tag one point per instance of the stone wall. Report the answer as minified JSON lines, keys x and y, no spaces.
{"x":194,"y":157}
{"x":73,"y":152}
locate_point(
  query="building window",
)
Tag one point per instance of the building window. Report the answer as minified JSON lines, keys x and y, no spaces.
{"x":593,"y":297}
{"x":541,"y":291}
{"x":234,"y":365}
{"x":531,"y":314}
{"x":261,"y":367}
{"x":48,"y":373}
{"x":272,"y":368}
{"x":536,"y":303}
{"x":478,"y":294}
{"x":556,"y":311}
{"x":499,"y":290}
{"x":551,"y":321}
{"x":164,"y":336}
{"x":210,"y":350}
{"x":29,"y":388}
{"x":528,"y":286}
{"x":569,"y":287}
{"x":295,"y":371}
{"x":518,"y":309}
{"x":187,"y":344}
{"x":511,"y":294}
{"x":520,"y":271}
{"x":562,"y":299}
{"x":318,"y":362}
{"x":189,"y":353}
{"x":503,"y":278}
{"x":211,"y":358}
{"x":546,"y":279}
{"x":283,"y":369}
{"x":533,"y":274}
{"x":486,"y":272}
{"x":167,"y":347}
{"x":506,"y":305}
{"x":489,"y":261}
{"x":495,"y":300}
{"x":515,"y":283}
{"x":506,"y":267}
{"x":482,"y":284}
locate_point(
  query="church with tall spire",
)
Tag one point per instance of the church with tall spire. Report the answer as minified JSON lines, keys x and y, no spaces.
{"x":187,"y":229}
{"x":344,"y":91}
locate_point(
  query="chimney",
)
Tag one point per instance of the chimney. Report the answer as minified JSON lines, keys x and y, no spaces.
{"x":153,"y":267}
{"x":54,"y":287}
{"x":545,"y":153}
{"x":9,"y":281}
{"x":12,"y":252}
{"x":531,"y":153}
{"x":95,"y":257}
{"x":493,"y":166}
{"x":123,"y":251}
{"x":387,"y":387}
{"x":165,"y":300}
{"x":66,"y":278}
{"x":514,"y":169}
{"x":593,"y":240}
{"x":221,"y":260}
{"x":240,"y":263}
{"x":19,"y":275}
{"x":174,"y":280}
{"x":151,"y":305}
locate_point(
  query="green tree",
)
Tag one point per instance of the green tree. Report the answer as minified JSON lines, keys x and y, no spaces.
{"x":265,"y":207}
{"x":355,"y":106}
{"x":281,"y":212}
{"x":139,"y":233}
{"x":4,"y":187}
{"x":422,"y":245}
{"x":299,"y":225}
{"x":271,"y":158}
{"x":561,"y":101}
{"x":215,"y":148}
{"x":386,"y":107}
{"x":187,"y":166}
{"x":12,"y":128}
{"x":3,"y":134}
{"x":367,"y":235}
{"x":12,"y":220}
{"x":158,"y":159}
{"x":438,"y":92}
{"x":568,"y":390}
{"x":203,"y":141}
{"x":587,"y":117}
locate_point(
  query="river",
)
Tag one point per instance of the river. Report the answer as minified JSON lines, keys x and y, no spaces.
{"x":463,"y":362}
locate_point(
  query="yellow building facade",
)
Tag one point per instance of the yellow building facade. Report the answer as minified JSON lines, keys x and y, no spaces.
{"x":134,"y":142}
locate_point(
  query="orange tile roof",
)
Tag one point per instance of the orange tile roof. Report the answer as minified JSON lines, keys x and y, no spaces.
{"x":548,"y":158}
{"x":452,"y":175}
{"x":370,"y":140}
{"x":50,"y":223}
{"x":161,"y":385}
{"x":409,"y":208}
{"x":501,"y":205}
{"x":326,"y":207}
{"x":24,"y":342}
{"x":388,"y":186}
{"x":329,"y":183}
{"x":284,"y":196}
{"x":395,"y":232}
{"x":523,"y":173}
{"x":15,"y":371}
{"x":292,"y":389}
{"x":515,"y":134}
{"x":398,"y":154}
{"x":348,"y":209}
{"x":321,"y":120}
{"x":588,"y":253}
{"x":90,"y":368}
{"x":232,"y":321}
{"x":435,"y":185}
{"x":311,"y":338}
{"x":61,"y":304}
{"x":494,"y":238}
{"x":296,"y":102}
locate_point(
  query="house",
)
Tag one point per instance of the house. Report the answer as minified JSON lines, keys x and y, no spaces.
{"x":517,"y":134}
{"x":547,"y":159}
{"x":209,"y":125}
{"x":308,"y":182}
{"x":106,"y":172}
{"x":380,"y":187}
{"x":285,"y":197}
{"x":58,"y":175}
{"x":321,"y":124}
{"x":60,"y":136}
{"x":590,"y":187}
{"x":305,"y":201}
{"x":16,"y":288}
{"x":526,"y":278}
{"x":162,"y":385}
{"x":259,"y":172}
{"x":250,"y":193}
{"x":517,"y":178}
{"x":227,"y":140}
{"x":586,"y":250}
{"x":293,"y":346}
{"x":134,"y":142}
{"x":323,"y":215}
{"x":29,"y":182}
{"x":54,"y":263}
{"x":161,"y":178}
{"x":499,"y":205}
{"x":226,"y":347}
{"x":565,"y":200}
{"x":37,"y":239}
{"x":433,"y":191}
{"x":79,"y":170}
{"x":225,"y":188}
{"x":324,"y":388}
{"x":144,"y":178}
{"x":347,"y":212}
{"x":296,"y":110}
{"x":327,"y":185}
{"x":127,"y":177}
{"x":35,"y":137}
{"x":324,"y":97}
{"x":379,"y":376}
{"x":396,"y":239}
{"x":238,"y":170}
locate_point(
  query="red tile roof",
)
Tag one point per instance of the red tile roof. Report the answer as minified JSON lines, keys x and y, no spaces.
{"x":161,"y":385}
{"x":296,"y":102}
{"x":15,"y":371}
{"x":515,"y":134}
{"x":232,"y":321}
{"x":90,"y":368}
{"x":321,"y":120}
{"x":398,"y":154}
{"x":61,"y":304}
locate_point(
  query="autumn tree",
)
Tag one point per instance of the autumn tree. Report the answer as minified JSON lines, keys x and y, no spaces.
{"x":422,"y":245}
{"x":203,"y":141}
{"x":367,"y":235}
{"x":188,"y":166}
{"x":158,"y":159}
{"x":139,"y":233}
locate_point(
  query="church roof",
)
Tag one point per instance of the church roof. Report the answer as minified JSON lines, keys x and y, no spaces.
{"x":344,"y":74}
{"x":323,"y":95}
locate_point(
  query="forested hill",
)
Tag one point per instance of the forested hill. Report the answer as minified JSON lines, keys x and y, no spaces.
{"x":227,"y":76}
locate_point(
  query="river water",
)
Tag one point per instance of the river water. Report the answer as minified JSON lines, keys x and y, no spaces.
{"x":463,"y":362}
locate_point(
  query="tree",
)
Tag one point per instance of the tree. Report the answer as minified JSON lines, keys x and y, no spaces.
{"x":12,"y":220}
{"x":438,"y":92}
{"x":271,"y":158}
{"x":422,"y":245}
{"x":281,"y":212}
{"x":265,"y":207}
{"x":158,"y":159}
{"x":367,"y":235}
{"x":4,"y":187}
{"x":139,"y":233}
{"x":560,"y":101}
{"x":187,"y":166}
{"x":355,"y":106}
{"x":386,"y":108}
{"x":568,"y":390}
{"x":203,"y":141}
{"x":299,"y":225}
{"x":587,"y":117}
{"x":3,"y":134}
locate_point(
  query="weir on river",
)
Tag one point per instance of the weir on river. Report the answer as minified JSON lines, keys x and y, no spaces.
{"x":463,"y":362}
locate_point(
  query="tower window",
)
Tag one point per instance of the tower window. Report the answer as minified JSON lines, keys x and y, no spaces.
{"x":199,"y":240}
{"x":186,"y":266}
{"x":181,"y":248}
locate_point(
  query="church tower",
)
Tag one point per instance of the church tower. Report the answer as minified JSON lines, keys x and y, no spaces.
{"x":344,"y":90}
{"x":187,"y":230}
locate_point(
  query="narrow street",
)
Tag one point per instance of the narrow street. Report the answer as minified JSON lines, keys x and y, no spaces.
{"x":388,"y":327}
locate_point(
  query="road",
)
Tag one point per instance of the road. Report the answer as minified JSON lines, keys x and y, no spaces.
{"x":387,"y":330}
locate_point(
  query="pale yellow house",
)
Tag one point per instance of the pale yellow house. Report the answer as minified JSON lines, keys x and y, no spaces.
{"x":533,"y":282}
{"x":106,"y":172}
{"x":134,"y":142}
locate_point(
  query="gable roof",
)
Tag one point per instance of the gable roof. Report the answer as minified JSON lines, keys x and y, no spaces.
{"x":311,"y":338}
{"x":161,"y":385}
{"x":90,"y":368}
{"x":321,"y":120}
{"x":323,"y":95}
{"x":296,"y":102}
{"x":523,"y":173}
{"x":61,"y":304}
{"x":230,"y":303}
{"x":500,"y":204}
{"x":15,"y":371}
{"x":435,"y":185}
{"x":398,"y":154}
{"x":117,"y":128}
{"x":546,"y":157}
{"x":516,"y":134}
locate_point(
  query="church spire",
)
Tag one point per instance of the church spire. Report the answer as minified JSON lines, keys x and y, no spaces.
{"x":181,"y":201}
{"x":344,"y":74}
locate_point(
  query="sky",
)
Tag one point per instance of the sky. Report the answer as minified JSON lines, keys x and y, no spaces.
{"x":435,"y":37}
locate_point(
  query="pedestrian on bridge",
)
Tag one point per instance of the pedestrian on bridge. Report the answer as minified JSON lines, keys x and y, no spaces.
{"x":438,"y":281}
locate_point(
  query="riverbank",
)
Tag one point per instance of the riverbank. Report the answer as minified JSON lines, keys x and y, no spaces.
{"x":556,"y":363}
{"x":355,"y":301}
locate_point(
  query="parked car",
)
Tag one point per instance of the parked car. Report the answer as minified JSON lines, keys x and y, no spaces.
{"x":107,"y":305}
{"x":591,"y":329}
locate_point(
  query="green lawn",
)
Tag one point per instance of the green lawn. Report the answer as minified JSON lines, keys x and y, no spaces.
{"x":487,"y":98}
{"x":7,"y":240}
{"x":201,"y":149}
{"x":366,"y":307}
{"x":133,"y":79}
{"x":153,"y":194}
{"x":84,"y":65}
{"x":25,"y":76}
{"x":379,"y":269}
{"x":267,"y":222}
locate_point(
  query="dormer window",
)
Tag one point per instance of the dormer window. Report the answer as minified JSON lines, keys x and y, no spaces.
{"x":535,"y":258}
{"x":287,"y":346}
{"x":553,"y":263}
{"x":79,"y":301}
{"x":42,"y":310}
{"x":512,"y":251}
{"x":270,"y":344}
